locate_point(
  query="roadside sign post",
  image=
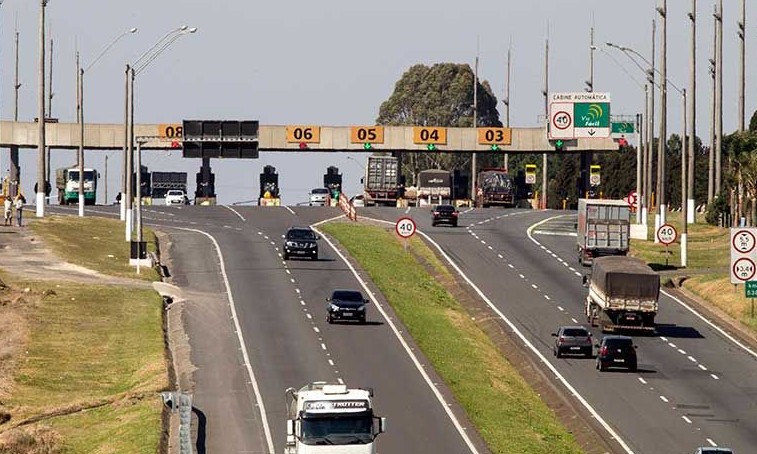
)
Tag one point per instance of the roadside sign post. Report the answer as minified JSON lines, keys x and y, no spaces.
{"x":405,"y":228}
{"x":667,"y":234}
{"x":750,"y":290}
{"x":743,"y":255}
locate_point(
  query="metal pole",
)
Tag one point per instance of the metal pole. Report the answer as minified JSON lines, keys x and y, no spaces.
{"x":80,"y":156}
{"x":639,"y":164}
{"x":742,"y":65}
{"x":651,"y":150}
{"x":684,"y":187}
{"x":129,"y":156}
{"x":15,"y":170}
{"x":546,"y":115}
{"x":507,"y":99}
{"x":139,"y":204}
{"x":644,"y":195}
{"x":692,"y":114}
{"x":713,"y":97}
{"x":41,"y":114}
{"x":662,"y":144}
{"x":106,"y":179}
{"x":719,"y":98}
{"x":124,"y":156}
{"x":50,"y":95}
{"x":591,"y":60}
{"x":475,"y":124}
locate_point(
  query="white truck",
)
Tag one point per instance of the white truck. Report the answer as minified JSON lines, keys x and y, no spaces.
{"x":603,"y":228}
{"x":331,"y":418}
{"x":623,"y":294}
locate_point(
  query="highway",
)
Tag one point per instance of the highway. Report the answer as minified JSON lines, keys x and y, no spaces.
{"x":280,"y":307}
{"x":695,"y":386}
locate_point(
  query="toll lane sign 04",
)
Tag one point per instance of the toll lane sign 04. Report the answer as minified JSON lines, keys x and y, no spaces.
{"x":743,"y":254}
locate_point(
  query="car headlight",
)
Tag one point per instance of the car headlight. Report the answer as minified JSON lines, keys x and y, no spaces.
{"x":361,"y":308}
{"x":333,"y":307}
{"x":290,"y":244}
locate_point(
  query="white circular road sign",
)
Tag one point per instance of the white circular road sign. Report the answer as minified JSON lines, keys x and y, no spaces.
{"x":667,"y":234}
{"x":744,"y":269}
{"x":743,"y":242}
{"x":633,"y":199}
{"x":405,"y":227}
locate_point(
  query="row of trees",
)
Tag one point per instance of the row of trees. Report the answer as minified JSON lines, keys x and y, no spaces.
{"x":442,"y":95}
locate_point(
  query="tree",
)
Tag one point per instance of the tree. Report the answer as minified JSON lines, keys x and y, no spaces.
{"x":439,"y":95}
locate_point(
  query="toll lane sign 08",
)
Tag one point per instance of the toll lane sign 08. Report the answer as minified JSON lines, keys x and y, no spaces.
{"x":743,"y":254}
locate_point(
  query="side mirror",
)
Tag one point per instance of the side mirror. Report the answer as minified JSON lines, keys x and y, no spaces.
{"x":585,"y":280}
{"x":554,"y":334}
{"x":382,"y":424}
{"x":290,"y":427}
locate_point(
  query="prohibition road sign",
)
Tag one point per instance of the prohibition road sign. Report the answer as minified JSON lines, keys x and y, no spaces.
{"x":667,"y":234}
{"x":743,"y":242}
{"x":562,"y":120}
{"x":405,"y":227}
{"x":744,"y":269}
{"x":632,"y":199}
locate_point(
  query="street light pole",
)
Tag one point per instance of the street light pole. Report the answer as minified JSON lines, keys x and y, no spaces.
{"x":742,"y":64}
{"x":718,"y":97}
{"x":691,"y":218}
{"x":684,"y":188}
{"x":662,"y":144}
{"x":41,"y":114}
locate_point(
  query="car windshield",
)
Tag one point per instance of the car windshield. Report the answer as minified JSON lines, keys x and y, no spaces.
{"x":347,"y":295}
{"x":175,"y":193}
{"x":319,"y":191}
{"x":445,"y":208}
{"x":575,"y":332}
{"x":338,"y":430}
{"x":300,"y":234}
{"x":619,"y":343}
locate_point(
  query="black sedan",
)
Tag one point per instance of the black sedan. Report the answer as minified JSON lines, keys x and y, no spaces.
{"x":445,"y":214}
{"x":346,"y":305}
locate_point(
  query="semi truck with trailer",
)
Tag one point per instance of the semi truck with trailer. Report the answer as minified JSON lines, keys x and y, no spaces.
{"x":495,"y":187}
{"x":67,"y":183}
{"x":603,"y":228}
{"x":331,"y":418}
{"x":382,"y":181}
{"x":623,"y":294}
{"x":434,"y":186}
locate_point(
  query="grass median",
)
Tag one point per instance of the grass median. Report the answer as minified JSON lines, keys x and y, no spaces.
{"x":507,"y":412}
{"x":82,"y":365}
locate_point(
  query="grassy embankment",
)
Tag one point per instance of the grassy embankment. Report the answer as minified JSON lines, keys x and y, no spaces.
{"x":507,"y":412}
{"x":708,"y":260}
{"x":83,"y":364}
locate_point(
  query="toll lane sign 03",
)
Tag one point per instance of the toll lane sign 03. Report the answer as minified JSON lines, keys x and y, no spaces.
{"x":743,"y":254}
{"x":579,"y":115}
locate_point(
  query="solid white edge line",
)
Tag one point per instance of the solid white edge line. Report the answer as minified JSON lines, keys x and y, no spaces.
{"x":236,"y":212}
{"x":399,"y":337}
{"x":240,"y":337}
{"x":290,"y":210}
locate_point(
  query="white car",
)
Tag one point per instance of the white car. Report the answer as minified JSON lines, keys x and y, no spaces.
{"x":176,"y":197}
{"x":318,"y":196}
{"x":358,"y":200}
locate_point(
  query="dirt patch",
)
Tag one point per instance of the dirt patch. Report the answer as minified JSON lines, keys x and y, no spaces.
{"x":32,"y":440}
{"x":590,"y":437}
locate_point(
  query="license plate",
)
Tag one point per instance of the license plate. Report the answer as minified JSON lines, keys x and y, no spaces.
{"x":347,"y":314}
{"x":575,"y":348}
{"x":619,"y":360}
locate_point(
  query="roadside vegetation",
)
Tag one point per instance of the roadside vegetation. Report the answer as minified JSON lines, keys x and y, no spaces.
{"x":707,"y":274}
{"x":507,"y":412}
{"x":82,"y":365}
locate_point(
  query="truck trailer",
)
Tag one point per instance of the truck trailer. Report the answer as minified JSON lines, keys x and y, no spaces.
{"x":435,"y":186}
{"x":382,"y":181}
{"x":603,"y":228}
{"x":330,"y":418}
{"x":495,"y":187}
{"x":623,"y":294}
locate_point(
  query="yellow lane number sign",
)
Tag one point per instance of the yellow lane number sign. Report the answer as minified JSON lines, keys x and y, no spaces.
{"x":367,"y":134}
{"x":494,"y":136}
{"x":303,"y":134}
{"x":170,"y":131}
{"x":429,"y":135}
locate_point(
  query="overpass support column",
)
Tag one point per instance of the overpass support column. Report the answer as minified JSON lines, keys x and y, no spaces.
{"x":15,"y":172}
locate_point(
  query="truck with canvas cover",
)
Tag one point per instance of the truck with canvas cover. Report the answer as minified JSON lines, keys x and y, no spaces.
{"x":603,"y":228}
{"x":495,"y":187}
{"x":331,"y":418}
{"x":382,"y":181}
{"x":623,"y":294}
{"x":435,"y":186}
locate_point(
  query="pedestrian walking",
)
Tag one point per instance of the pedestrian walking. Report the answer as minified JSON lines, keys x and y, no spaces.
{"x":8,"y":210}
{"x":19,"y":205}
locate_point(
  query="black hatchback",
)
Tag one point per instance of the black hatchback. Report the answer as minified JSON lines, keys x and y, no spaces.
{"x":346,"y":305}
{"x":444,"y":214}
{"x":300,"y":242}
{"x":616,"y":351}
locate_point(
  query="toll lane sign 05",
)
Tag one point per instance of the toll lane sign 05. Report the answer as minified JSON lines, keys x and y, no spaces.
{"x":743,"y":254}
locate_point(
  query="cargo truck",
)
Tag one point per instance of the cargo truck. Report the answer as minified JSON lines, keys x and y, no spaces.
{"x":67,"y":183}
{"x":623,"y":294}
{"x":382,"y":181}
{"x":331,"y":418}
{"x":495,"y":187}
{"x":603,"y":228}
{"x":435,"y":186}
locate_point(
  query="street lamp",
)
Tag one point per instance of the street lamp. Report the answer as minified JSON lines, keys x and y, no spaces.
{"x":80,"y":104}
{"x":132,"y":71}
{"x":41,"y":114}
{"x":684,"y":179}
{"x":128,"y":156}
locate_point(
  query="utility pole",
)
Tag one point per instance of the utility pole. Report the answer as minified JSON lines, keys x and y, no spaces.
{"x":41,"y":114}
{"x":713,"y":110}
{"x":718,"y":97}
{"x":650,"y":133}
{"x":475,"y":125}
{"x":15,"y":169}
{"x":50,"y":95}
{"x":592,"y":48}
{"x":546,"y":116}
{"x":742,"y":65}
{"x":507,"y":95}
{"x":691,"y":218}
{"x":684,"y":187}
{"x":125,"y":168}
{"x":661,"y":177}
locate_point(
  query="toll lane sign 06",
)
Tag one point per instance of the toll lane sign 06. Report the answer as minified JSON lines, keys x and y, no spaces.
{"x":743,"y":254}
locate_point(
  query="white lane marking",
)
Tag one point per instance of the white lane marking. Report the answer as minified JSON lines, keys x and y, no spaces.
{"x":574,"y":320}
{"x":672,"y":345}
{"x":331,"y":362}
{"x":290,"y":210}
{"x":308,"y":316}
{"x":302,"y":302}
{"x":561,"y":308}
{"x":664,"y":399}
{"x":577,"y":273}
{"x":265,"y":237}
{"x":236,"y":212}
{"x":642,"y":381}
{"x":664,"y":339}
{"x":500,"y":256}
{"x":511,"y":265}
{"x":715,"y":377}
{"x":292,"y":280}
{"x":407,"y":211}
{"x":711,"y":442}
{"x":490,"y":248}
{"x":483,"y":242}
{"x":681,"y":351}
{"x":323,"y":346}
{"x":227,"y":226}
{"x":315,"y":328}
{"x":692,"y":359}
{"x":522,"y":276}
{"x":702,"y":366}
{"x":238,"y":329}
{"x":460,"y":429}
{"x":341,"y":382}
{"x":288,"y":272}
{"x":546,"y":297}
{"x":297,"y":290}
{"x":534,"y":286}
{"x":686,"y":419}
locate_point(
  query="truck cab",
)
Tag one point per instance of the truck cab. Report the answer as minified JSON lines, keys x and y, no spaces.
{"x":330,"y":418}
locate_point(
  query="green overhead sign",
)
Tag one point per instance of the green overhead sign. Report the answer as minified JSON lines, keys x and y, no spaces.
{"x":591,"y":114}
{"x":623,"y":127}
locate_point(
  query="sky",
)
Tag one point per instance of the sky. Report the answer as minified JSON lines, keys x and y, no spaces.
{"x":334,"y":62}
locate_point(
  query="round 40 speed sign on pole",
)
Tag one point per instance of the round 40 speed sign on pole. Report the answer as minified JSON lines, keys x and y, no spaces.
{"x":405,"y":227}
{"x":667,"y":234}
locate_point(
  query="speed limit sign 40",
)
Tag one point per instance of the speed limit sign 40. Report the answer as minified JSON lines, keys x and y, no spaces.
{"x":405,"y":227}
{"x":667,"y":234}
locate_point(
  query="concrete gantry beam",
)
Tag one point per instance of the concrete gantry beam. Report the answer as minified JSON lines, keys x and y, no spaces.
{"x":274,"y":138}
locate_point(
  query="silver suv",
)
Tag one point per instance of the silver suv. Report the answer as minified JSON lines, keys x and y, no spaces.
{"x":573,"y":340}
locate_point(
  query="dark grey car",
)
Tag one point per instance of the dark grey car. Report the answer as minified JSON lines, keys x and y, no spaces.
{"x":573,"y":340}
{"x":346,"y":305}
